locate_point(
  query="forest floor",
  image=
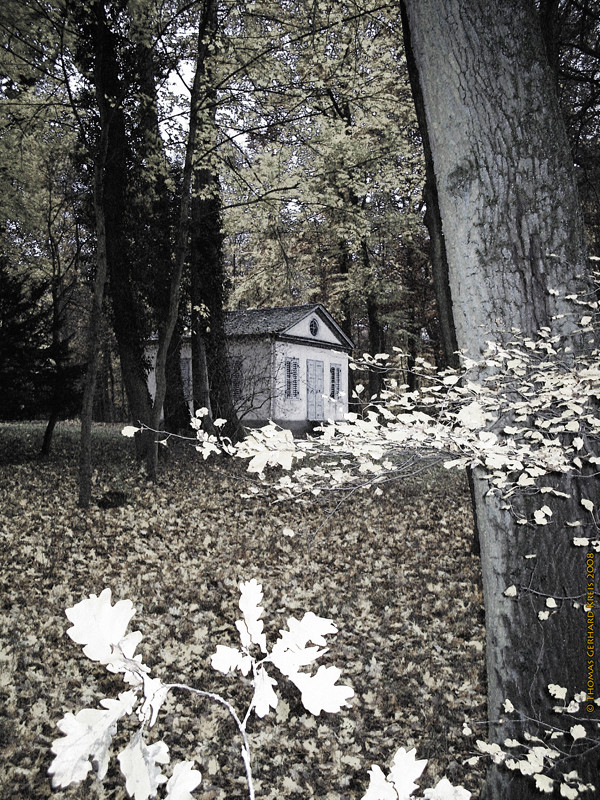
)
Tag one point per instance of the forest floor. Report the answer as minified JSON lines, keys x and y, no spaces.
{"x":395,"y":573}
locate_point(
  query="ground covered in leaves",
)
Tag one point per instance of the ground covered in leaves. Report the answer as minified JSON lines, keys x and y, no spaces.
{"x":394,"y":572}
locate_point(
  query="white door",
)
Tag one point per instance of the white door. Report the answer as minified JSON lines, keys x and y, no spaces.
{"x":314,"y":389}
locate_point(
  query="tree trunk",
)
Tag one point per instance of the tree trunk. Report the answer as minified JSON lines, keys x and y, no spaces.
{"x":512,"y":229}
{"x":121,"y":267}
{"x":94,"y":329}
{"x":183,"y":227}
{"x":208,"y":286}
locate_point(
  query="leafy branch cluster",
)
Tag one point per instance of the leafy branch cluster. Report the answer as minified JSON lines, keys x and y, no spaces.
{"x":527,"y":409}
{"x":102,"y":630}
{"x":535,"y":757}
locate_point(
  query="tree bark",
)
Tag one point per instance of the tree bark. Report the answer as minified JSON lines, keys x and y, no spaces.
{"x":95,"y":322}
{"x":183,"y":229}
{"x":121,"y":268}
{"x":512,"y":229}
{"x":208,"y":290}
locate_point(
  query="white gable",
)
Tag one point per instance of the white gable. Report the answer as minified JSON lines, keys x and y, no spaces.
{"x":315,"y":328}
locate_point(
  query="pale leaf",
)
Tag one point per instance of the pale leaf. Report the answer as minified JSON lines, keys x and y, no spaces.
{"x":379,"y":787}
{"x":183,"y":781}
{"x":472,"y":416}
{"x":130,"y":431}
{"x":578,"y":732}
{"x":405,"y":770}
{"x":99,"y":626}
{"x":444,"y":790}
{"x":227,"y":659}
{"x":155,"y":693}
{"x":88,"y":735}
{"x":319,"y":691}
{"x":139,"y":764}
{"x":544,"y":784}
{"x":290,"y":652}
{"x":251,"y":627}
{"x":264,"y":697}
{"x":557,"y":691}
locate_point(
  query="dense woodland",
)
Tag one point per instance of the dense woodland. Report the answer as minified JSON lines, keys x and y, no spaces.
{"x":220,"y":154}
{"x":408,"y":164}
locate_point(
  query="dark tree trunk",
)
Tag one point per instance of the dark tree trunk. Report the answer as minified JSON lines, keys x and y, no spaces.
{"x":198,"y":122}
{"x":125,"y":305}
{"x":208,"y":285}
{"x":511,"y":224}
{"x":95,"y":322}
{"x":433,"y":221}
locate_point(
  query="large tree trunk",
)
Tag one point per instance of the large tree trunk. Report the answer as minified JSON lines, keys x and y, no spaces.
{"x":125,"y":305}
{"x":512,"y":231}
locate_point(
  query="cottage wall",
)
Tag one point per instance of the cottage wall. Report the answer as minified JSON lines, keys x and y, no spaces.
{"x":297,"y":378}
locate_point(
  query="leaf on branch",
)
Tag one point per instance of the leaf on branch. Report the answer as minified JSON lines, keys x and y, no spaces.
{"x":472,"y":416}
{"x":130,"y":431}
{"x":444,"y":790}
{"x":557,"y":691}
{"x":399,"y":784}
{"x":578,"y":732}
{"x":102,"y":628}
{"x":139,"y":766}
{"x":379,"y":786}
{"x":88,"y":735}
{"x":183,"y":781}
{"x":155,"y":693}
{"x":319,"y":692}
{"x":544,"y":784}
{"x":264,"y":697}
{"x":226,"y":659}
{"x":251,"y":627}
{"x":290,"y":652}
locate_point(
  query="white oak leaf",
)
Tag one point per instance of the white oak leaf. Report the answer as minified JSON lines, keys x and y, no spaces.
{"x":444,"y":790}
{"x":264,"y":697}
{"x":183,"y":781}
{"x":155,"y":694}
{"x":319,"y":692}
{"x":251,"y":627}
{"x":405,"y":770}
{"x":379,"y":786}
{"x":99,"y":626}
{"x":88,"y":735}
{"x":226,"y":659}
{"x":139,"y":766}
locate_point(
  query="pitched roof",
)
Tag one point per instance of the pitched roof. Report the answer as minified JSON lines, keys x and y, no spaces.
{"x":257,"y":321}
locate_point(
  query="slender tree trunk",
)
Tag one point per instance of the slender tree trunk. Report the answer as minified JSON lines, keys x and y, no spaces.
{"x":183,"y":229}
{"x":94,"y":330}
{"x":512,"y":229}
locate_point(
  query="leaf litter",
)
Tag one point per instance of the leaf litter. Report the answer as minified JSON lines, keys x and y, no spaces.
{"x":394,"y":572}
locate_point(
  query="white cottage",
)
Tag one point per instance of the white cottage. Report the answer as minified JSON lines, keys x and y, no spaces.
{"x":289,"y":365}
